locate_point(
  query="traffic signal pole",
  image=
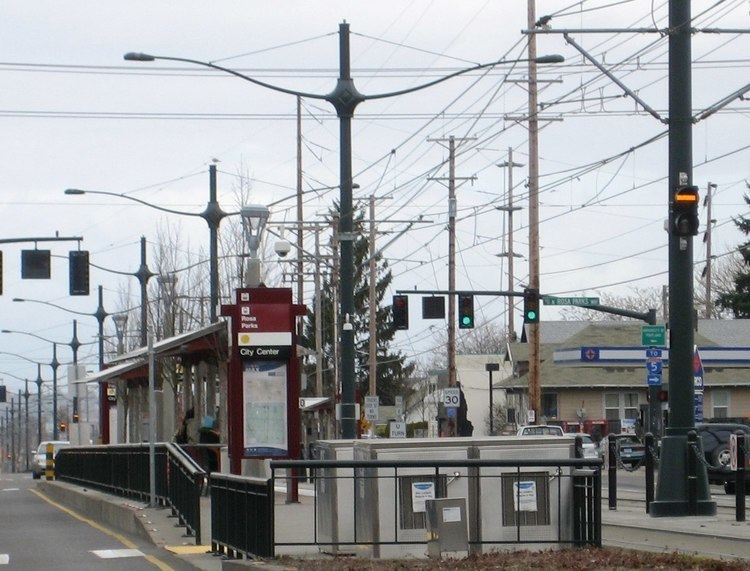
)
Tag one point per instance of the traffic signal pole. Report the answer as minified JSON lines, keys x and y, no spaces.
{"x":672,"y":492}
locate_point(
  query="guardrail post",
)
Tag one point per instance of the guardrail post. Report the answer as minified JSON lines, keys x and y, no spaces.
{"x":739,"y":483}
{"x":649,"y":442}
{"x":612,"y":471}
{"x":49,"y":463}
{"x":692,"y":472}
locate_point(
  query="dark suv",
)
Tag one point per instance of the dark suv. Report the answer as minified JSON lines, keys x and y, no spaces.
{"x":715,"y":440}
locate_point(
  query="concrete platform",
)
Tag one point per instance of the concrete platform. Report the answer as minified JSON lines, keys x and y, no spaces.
{"x":629,"y":527}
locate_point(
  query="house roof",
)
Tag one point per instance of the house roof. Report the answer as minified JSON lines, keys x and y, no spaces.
{"x":623,"y":333}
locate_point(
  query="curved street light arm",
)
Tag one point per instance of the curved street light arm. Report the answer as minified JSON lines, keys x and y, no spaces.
{"x":134,"y":199}
{"x":53,"y":305}
{"x":66,"y":343}
{"x":23,"y":357}
{"x":7,"y":374}
{"x":148,"y":57}
{"x":544,"y":59}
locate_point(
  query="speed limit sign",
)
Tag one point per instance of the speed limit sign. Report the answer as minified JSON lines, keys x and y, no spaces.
{"x":452,"y":397}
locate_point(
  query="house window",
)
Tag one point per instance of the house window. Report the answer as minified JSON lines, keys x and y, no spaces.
{"x":549,"y":405}
{"x":612,"y":406}
{"x":618,"y":406}
{"x":720,"y":401}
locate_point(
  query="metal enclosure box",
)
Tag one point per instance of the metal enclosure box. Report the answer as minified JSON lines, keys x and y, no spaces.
{"x":384,"y":498}
{"x":530,"y":504}
{"x":446,"y":526}
{"x":334,"y":489}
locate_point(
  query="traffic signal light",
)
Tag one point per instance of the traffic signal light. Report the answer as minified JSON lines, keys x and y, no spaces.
{"x":684,"y":211}
{"x":3,"y":395}
{"x":530,"y":305}
{"x":465,"y":311}
{"x":35,"y":264}
{"x":401,"y":311}
{"x":78,"y":263}
{"x":75,"y":410}
{"x":63,"y":427}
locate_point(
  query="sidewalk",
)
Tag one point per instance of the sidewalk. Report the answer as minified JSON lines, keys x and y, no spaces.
{"x":629,"y":527}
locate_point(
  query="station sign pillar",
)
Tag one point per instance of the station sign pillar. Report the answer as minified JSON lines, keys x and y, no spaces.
{"x":263,"y":376}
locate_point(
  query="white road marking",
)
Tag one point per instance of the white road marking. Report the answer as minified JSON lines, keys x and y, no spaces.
{"x":117,"y":553}
{"x":9,"y":489}
{"x":4,"y":558}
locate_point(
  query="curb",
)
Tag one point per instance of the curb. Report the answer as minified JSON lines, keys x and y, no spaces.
{"x":89,"y":503}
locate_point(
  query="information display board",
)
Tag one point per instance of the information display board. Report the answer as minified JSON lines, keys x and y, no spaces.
{"x":265,"y":408}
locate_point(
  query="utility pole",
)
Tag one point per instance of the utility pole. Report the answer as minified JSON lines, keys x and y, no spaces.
{"x":452,"y":209}
{"x":373,"y":363}
{"x":707,"y":239}
{"x":665,"y":303}
{"x":535,"y":393}
{"x":318,"y":322}
{"x":678,"y":492}
{"x":510,"y":209}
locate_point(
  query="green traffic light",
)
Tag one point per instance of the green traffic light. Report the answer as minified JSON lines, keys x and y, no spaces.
{"x":531,"y":315}
{"x":466,"y":320}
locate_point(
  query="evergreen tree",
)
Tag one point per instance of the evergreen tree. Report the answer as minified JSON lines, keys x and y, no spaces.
{"x":392,"y":368}
{"x":738,"y":301}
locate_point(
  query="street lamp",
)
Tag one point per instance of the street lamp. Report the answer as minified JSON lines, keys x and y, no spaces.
{"x":254,"y":218}
{"x":344,"y":98}
{"x":74,"y":345}
{"x":54,"y":364}
{"x":212,"y":214}
{"x":100,"y":315}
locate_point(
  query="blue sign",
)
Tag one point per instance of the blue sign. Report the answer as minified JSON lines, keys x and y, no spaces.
{"x":653,"y":353}
{"x":451,"y":411}
{"x":589,"y":353}
{"x":653,"y":367}
{"x":698,"y":407}
{"x":654,"y":380}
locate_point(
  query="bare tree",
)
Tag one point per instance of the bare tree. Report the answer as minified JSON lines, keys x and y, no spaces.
{"x":640,"y":299}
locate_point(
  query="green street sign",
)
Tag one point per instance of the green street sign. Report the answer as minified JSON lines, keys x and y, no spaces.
{"x":582,"y":301}
{"x":653,"y":335}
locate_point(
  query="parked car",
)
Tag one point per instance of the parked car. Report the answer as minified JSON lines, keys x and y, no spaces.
{"x":39,"y":463}
{"x":715,"y":442}
{"x":540,"y":430}
{"x":630,"y":450}
{"x":590,"y":449}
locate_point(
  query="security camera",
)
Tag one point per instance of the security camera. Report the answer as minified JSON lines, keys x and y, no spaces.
{"x":282,"y":247}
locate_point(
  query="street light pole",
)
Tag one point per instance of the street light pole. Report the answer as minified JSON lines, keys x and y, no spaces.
{"x":39,"y":404}
{"x":54,"y":364}
{"x":673,"y":491}
{"x":344,"y":98}
{"x":26,"y":431}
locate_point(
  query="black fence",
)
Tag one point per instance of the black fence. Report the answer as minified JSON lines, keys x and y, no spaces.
{"x":565,"y":507}
{"x":242,"y":516}
{"x":123,"y":469}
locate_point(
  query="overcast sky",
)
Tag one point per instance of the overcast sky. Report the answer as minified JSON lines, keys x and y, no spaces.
{"x":74,"y":114}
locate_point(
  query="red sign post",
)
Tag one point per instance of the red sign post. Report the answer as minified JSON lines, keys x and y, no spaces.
{"x":263,"y":376}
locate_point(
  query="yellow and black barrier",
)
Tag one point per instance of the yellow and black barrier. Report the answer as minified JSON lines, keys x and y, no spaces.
{"x":49,"y":466}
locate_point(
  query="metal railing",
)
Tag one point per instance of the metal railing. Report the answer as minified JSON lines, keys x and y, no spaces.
{"x":568,"y":495}
{"x":242,"y":516}
{"x":123,"y":469}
